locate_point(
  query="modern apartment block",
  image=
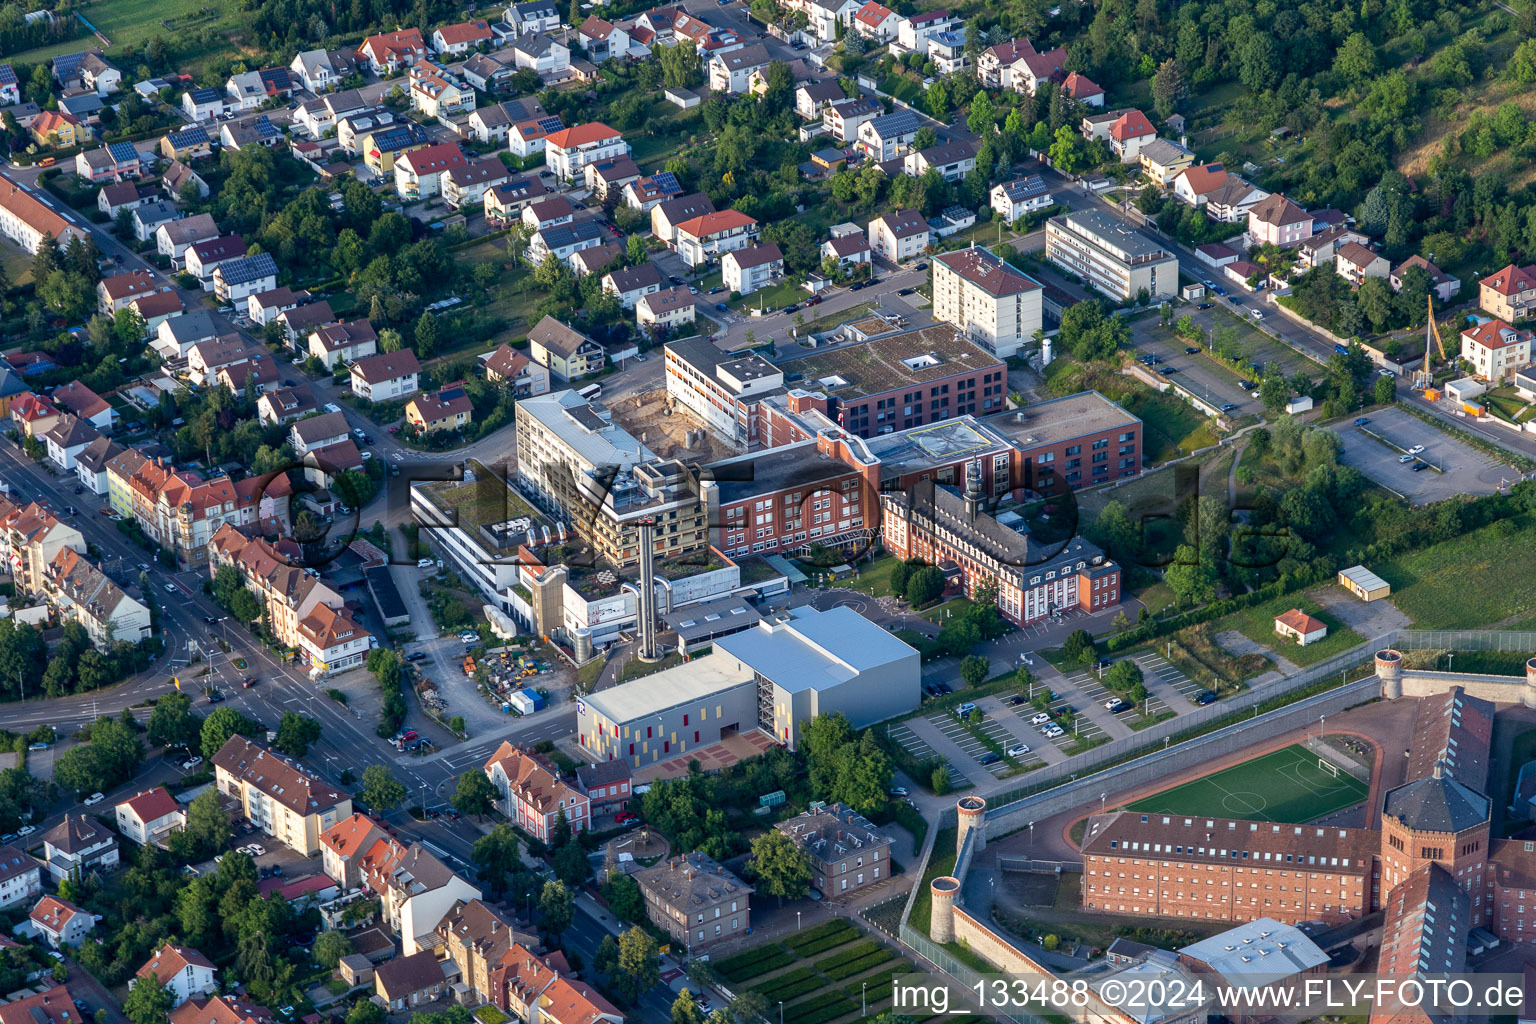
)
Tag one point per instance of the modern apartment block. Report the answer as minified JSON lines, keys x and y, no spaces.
{"x":1114,"y":258}
{"x":280,"y":797}
{"x":563,"y":436}
{"x":997,"y":306}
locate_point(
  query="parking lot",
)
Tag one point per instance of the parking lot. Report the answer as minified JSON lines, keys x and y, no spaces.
{"x":1204,"y":376}
{"x":1083,"y":726}
{"x":1451,"y":467}
{"x":902,"y":735}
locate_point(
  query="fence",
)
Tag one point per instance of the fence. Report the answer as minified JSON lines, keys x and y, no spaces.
{"x":1457,"y":640}
{"x":968,"y":977}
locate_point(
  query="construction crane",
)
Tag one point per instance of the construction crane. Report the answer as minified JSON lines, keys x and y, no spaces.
{"x":1424,"y":379}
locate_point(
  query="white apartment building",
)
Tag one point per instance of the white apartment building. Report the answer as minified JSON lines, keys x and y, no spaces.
{"x":569,"y":150}
{"x":1115,"y":259}
{"x":997,"y":306}
{"x":720,"y":389}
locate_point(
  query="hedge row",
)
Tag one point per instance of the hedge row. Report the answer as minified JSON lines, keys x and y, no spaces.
{"x":786,"y":992}
{"x":821,"y":931}
{"x":818,"y":1011}
{"x":880,"y":985}
{"x":827,"y":942}
{"x":793,"y":977}
{"x":747,"y":958}
{"x":760,"y":967}
{"x":848,"y":970}
{"x":848,"y":955}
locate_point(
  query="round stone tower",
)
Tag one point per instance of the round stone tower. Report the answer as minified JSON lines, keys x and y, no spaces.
{"x":941,"y":918}
{"x":972,"y":813}
{"x":1529,"y":696}
{"x":1389,"y":669}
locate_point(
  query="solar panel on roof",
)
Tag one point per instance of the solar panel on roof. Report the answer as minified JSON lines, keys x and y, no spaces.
{"x":122,"y":151}
{"x":666,"y":181}
{"x":550,"y":124}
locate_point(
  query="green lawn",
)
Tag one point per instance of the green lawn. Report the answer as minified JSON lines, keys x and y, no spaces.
{"x":772,"y":298}
{"x":133,"y":23}
{"x":1173,"y":427}
{"x":1470,"y":581}
{"x":1286,"y":786}
{"x":874,"y":577}
{"x":1258,"y":625}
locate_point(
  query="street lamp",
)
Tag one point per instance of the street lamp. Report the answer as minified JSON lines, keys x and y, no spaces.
{"x":781,"y":1011}
{"x":797,"y":920}
{"x":864,"y":998}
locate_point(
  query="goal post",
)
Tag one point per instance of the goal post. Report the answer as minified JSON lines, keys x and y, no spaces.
{"x":1328,"y":767}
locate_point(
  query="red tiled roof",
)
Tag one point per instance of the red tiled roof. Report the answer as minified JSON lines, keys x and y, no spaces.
{"x":581,"y":135}
{"x":151,"y":805}
{"x":714,"y":223}
{"x":1300,"y":621}
{"x":1494,"y":334}
{"x":1133,"y":124}
{"x":1511,"y":280}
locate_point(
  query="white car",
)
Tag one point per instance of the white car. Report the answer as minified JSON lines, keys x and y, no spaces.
{"x":1040,"y":719}
{"x":191,"y":762}
{"x":1017,"y":750}
{"x":26,"y":830}
{"x":1416,"y":449}
{"x":332,"y":407}
{"x":424,"y":563}
{"x":469,"y":638}
{"x":1053,"y":732}
{"x":94,"y":798}
{"x":1026,"y":659}
{"x":1405,"y":458}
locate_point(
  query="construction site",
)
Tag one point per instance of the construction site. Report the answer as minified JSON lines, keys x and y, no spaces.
{"x":666,"y":428}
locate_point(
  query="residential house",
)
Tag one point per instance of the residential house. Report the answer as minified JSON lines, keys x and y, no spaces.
{"x":175,"y":337}
{"x":20,"y":877}
{"x":91,"y":464}
{"x":1297,"y":625}
{"x":221,"y":1010}
{"x":59,"y":923}
{"x":173,"y":237}
{"x":492,"y":123}
{"x":1083,"y":90}
{"x":100,"y":74}
{"x":203,"y":258}
{"x":706,"y":238}
{"x":32,"y":539}
{"x":82,"y":593}
{"x":343,"y":342}
{"x":148,"y":218}
{"x":407,"y":982}
{"x":116,"y":161}
{"x":885,"y":138}
{"x":263,"y":307}
{"x":542,"y":53}
{"x":564,"y":241}
{"x":812,"y":98}
{"x":875,"y":22}
{"x":303,"y":320}
{"x":1233,"y":200}
{"x":1018,"y":65}
{"x":1276,"y":220}
{"x":10,"y":86}
{"x":122,"y":195}
{"x":78,"y":846}
{"x":666,"y":310}
{"x":1014,"y":199}
{"x":207,"y":358}
{"x":385,"y":376}
{"x":606,"y":785}
{"x":569,"y":150}
{"x":92,"y":409}
{"x":913,"y":34}
{"x":823,"y":16}
{"x":279,"y":796}
{"x":531,"y":793}
{"x":60,"y":129}
{"x":747,"y":270}
{"x":1162,"y":161}
{"x":66,"y":439}
{"x":567,"y":352}
{"x":26,"y":220}
{"x":899,"y":236}
{"x":462,"y":37}
{"x":184,"y":972}
{"x":34,"y":414}
{"x":391,"y":51}
{"x":533,"y":17}
{"x":844,"y":118}
{"x":115,"y":292}
{"x":330,"y":639}
{"x":256,"y":130}
{"x":573,"y":1001}
{"x":1509,"y":293}
{"x":437,"y":94}
{"x":1129,"y":134}
{"x":487,"y":74}
{"x":415,"y":889}
{"x":504,"y":203}
{"x":1323,"y":246}
{"x":696,"y":900}
{"x":447,"y":409}
{"x":730,"y":72}
{"x":630,"y":283}
{"x":252,"y":375}
{"x":526,"y":138}
{"x":1443,"y":285}
{"x":315,"y":70}
{"x":234,"y":281}
{"x":344,"y":845}
{"x":849,"y":249}
{"x":1354,"y":263}
{"x":595,"y":259}
{"x":666,"y":215}
{"x":418,"y":174}
{"x":608,"y":177}
{"x":150,"y":816}
{"x":651,"y":190}
{"x":155,"y":309}
{"x":602,"y":39}
{"x":203,"y":104}
{"x":383,"y":147}
{"x":280,"y":405}
{"x":511,"y":368}
{"x":474,"y":937}
{"x":953,"y":160}
{"x":1496,"y":350}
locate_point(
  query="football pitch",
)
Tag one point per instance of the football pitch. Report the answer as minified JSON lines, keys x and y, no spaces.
{"x":1286,"y":787}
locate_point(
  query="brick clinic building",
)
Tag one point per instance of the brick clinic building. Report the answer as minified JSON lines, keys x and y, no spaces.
{"x":902,"y":380}
{"x":938,"y":524}
{"x":997,"y":306}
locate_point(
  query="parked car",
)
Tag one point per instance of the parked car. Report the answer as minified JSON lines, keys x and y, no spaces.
{"x":624,"y":816}
{"x":1416,"y":449}
{"x":38,"y":746}
{"x":965,"y":709}
{"x":1205,"y":697}
{"x":905,"y":291}
{"x":1040,"y":719}
{"x":424,"y":563}
{"x":416,"y":656}
{"x":987,"y":759}
{"x":93,"y":799}
{"x":1227,"y":407}
{"x":1204,"y":305}
{"x":1361,"y":421}
{"x":897,"y":791}
{"x":190,"y":763}
{"x":1190,"y":350}
{"x":1116,"y":706}
{"x":1405,"y":458}
{"x":1419,"y":467}
{"x":26,"y":830}
{"x":1017,"y":750}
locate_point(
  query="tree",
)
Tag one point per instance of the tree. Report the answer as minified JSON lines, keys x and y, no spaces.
{"x":974,"y":669}
{"x":172,"y":722}
{"x":637,"y":969}
{"x":381,"y":791}
{"x":555,"y":908}
{"x":1355,"y":59}
{"x":1191,"y":577}
{"x":625,"y":898}
{"x":1088,"y":334}
{"x":606,"y":959}
{"x":1079,"y":647}
{"x":571,"y":864}
{"x":221,"y":725}
{"x":330,"y":946}
{"x":149,"y":1001}
{"x":1385,"y":389}
{"x":685,"y":1010}
{"x":1168,"y":87}
{"x":938,"y":781}
{"x":925,"y":585}
{"x":296,"y":733}
{"x":983,"y":116}
{"x":366,"y":1011}
{"x":474,"y":794}
{"x":208,"y":823}
{"x":426,"y":334}
{"x":925,"y":138}
{"x":779,"y":866}
{"x":496,"y":856}
{"x":390,"y":340}
{"x":1123,"y":675}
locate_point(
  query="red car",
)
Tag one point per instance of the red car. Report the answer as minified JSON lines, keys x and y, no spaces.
{"x":624,"y":816}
